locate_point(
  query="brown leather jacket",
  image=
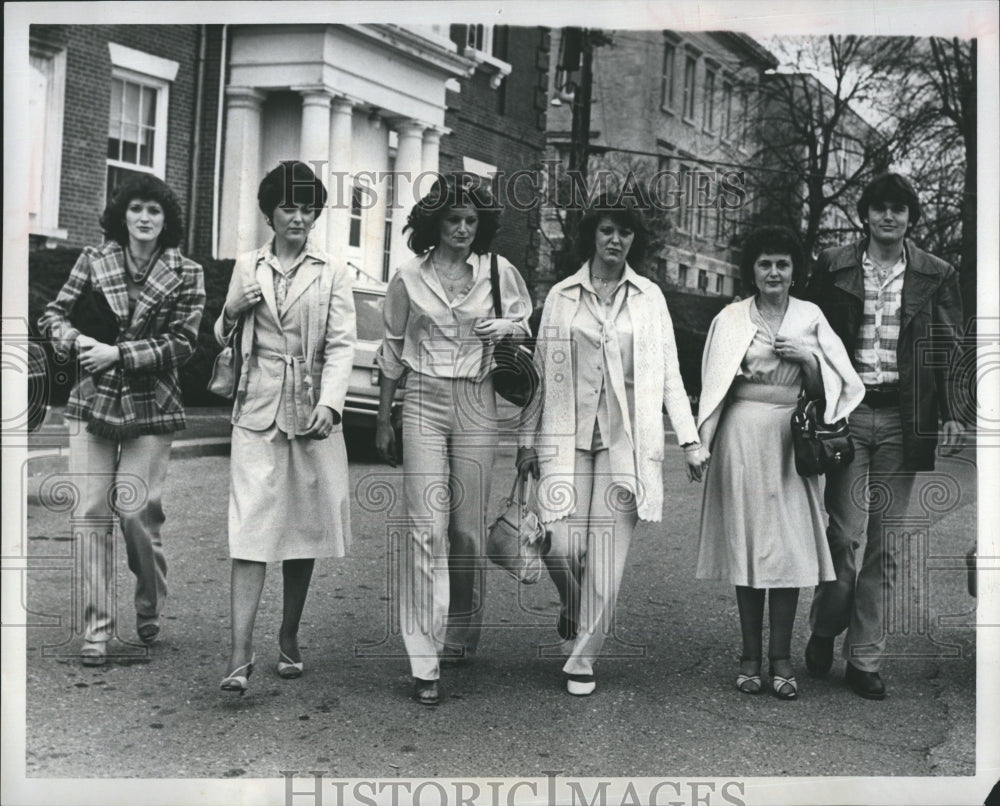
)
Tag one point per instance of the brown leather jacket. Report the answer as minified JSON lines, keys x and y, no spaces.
{"x":929,"y":350}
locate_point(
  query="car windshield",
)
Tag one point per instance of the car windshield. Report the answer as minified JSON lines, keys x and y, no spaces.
{"x":368,"y":307}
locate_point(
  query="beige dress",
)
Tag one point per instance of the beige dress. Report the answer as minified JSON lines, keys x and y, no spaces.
{"x":289,"y":497}
{"x":761,"y":523}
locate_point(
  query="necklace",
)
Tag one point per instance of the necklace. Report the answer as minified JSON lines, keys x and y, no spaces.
{"x":772,"y":319}
{"x":452,"y":281}
{"x":138,"y":272}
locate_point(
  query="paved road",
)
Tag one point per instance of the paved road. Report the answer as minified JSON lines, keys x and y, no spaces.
{"x":665,"y":706}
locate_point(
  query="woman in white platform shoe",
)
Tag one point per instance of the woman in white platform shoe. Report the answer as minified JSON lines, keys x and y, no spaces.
{"x":289,"y":495}
{"x":608,"y":362}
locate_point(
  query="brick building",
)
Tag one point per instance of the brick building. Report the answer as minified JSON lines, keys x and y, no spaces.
{"x":211,"y":108}
{"x":672,"y":109}
{"x":104,"y":101}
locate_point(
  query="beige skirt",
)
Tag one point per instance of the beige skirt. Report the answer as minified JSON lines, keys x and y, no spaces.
{"x":762,"y":523}
{"x":289,"y":499}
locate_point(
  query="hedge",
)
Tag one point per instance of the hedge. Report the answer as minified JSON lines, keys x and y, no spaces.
{"x":48,"y":270}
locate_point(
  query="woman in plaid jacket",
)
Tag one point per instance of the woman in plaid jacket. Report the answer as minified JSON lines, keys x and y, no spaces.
{"x":126,"y":405}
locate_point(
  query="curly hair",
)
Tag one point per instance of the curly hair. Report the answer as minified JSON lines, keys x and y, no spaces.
{"x":144,"y":187}
{"x":772,"y":240}
{"x":624,"y":213}
{"x":424,"y":220}
{"x":291,"y":181}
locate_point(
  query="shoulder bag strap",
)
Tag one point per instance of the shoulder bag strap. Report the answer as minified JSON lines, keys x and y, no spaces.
{"x":495,"y":285}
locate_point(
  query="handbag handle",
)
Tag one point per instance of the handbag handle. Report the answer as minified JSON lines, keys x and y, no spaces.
{"x":518,"y":491}
{"x":495,"y":285}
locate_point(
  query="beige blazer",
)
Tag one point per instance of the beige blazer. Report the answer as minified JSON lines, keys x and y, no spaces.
{"x":320,"y":299}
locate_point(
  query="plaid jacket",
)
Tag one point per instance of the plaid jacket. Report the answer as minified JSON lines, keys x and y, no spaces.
{"x":141,"y":394}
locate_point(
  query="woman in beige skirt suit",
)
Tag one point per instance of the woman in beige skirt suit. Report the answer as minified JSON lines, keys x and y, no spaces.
{"x":289,"y":498}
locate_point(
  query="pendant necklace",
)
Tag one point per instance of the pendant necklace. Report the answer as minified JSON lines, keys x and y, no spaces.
{"x":448,"y":281}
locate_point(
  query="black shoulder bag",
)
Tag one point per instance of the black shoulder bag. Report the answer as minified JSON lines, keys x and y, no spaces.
{"x":514,"y":375}
{"x":819,"y":446}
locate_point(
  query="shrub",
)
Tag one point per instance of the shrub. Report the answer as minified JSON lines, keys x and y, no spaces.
{"x":48,"y":270}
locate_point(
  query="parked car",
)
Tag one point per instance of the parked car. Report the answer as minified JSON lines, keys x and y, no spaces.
{"x":361,"y":405}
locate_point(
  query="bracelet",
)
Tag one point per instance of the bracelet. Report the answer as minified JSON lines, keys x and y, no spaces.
{"x":691,"y":447}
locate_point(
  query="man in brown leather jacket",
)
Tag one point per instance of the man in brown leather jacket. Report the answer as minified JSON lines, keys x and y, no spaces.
{"x":894,"y":306}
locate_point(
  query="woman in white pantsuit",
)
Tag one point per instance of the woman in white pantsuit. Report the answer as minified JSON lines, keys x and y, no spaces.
{"x":439,"y":323}
{"x":608,"y":362}
{"x":289,"y":497}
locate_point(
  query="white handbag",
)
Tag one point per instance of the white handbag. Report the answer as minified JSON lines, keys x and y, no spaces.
{"x":516,"y":540}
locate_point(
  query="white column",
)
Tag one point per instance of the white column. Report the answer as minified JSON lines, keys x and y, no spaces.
{"x":409,"y":157}
{"x":314,"y":146}
{"x":429,"y":158}
{"x":241,"y":166}
{"x":341,"y":138}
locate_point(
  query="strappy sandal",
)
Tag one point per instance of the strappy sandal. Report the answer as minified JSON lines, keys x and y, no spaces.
{"x":238,"y":679}
{"x":784,"y":688}
{"x":749,"y":683}
{"x":289,"y":669}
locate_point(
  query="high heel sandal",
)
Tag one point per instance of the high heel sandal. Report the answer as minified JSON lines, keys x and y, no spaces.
{"x":235,"y":681}
{"x":749,"y":683}
{"x":288,"y":669}
{"x":784,"y":688}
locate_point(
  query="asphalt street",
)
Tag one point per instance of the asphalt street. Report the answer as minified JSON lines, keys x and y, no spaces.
{"x":665,"y":703}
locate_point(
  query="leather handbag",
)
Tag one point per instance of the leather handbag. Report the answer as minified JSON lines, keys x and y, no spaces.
{"x":228,"y":365}
{"x":514,"y":375}
{"x":516,"y":540}
{"x":91,"y":314}
{"x":819,"y":446}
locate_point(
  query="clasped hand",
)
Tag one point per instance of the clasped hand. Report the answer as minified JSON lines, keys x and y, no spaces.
{"x":321,"y":423}
{"x":242,"y":297}
{"x":697,"y":462}
{"x":492,"y":330}
{"x":96,"y":356}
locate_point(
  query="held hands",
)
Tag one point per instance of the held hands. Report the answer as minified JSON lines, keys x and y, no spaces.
{"x":697,"y":457}
{"x":96,"y":356}
{"x":526,"y":463}
{"x":242,"y":299}
{"x":385,"y":443}
{"x":953,"y":437}
{"x":492,"y":330}
{"x":321,"y":422}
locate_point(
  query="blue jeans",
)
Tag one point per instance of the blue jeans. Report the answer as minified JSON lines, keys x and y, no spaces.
{"x":874,"y":486}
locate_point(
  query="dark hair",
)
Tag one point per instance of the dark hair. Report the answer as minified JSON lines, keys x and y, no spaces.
{"x":144,"y":187}
{"x":425,"y":218}
{"x":892,"y":188}
{"x":772,"y":240}
{"x":291,"y":182}
{"x":624,"y":213}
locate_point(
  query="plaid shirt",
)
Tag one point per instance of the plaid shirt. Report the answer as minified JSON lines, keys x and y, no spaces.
{"x":140,"y":394}
{"x":875,"y":354}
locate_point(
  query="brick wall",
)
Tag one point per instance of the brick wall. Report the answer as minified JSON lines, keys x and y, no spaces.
{"x":505,"y":127}
{"x":87,"y":106}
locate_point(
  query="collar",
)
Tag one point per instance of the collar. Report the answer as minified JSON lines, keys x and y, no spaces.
{"x":266,"y":254}
{"x":582,"y":279}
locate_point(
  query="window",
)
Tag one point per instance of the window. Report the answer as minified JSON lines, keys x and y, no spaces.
{"x":354,"y":231}
{"x":685,"y":219}
{"x":727,"y":110}
{"x":480,"y":37}
{"x":47,"y":76}
{"x":137,"y":119}
{"x":682,"y":275}
{"x":708,"y":107}
{"x":690,"y":67}
{"x":661,"y":269}
{"x":667,"y":89}
{"x":702,"y":280}
{"x":720,"y":284}
{"x":390,"y":191}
